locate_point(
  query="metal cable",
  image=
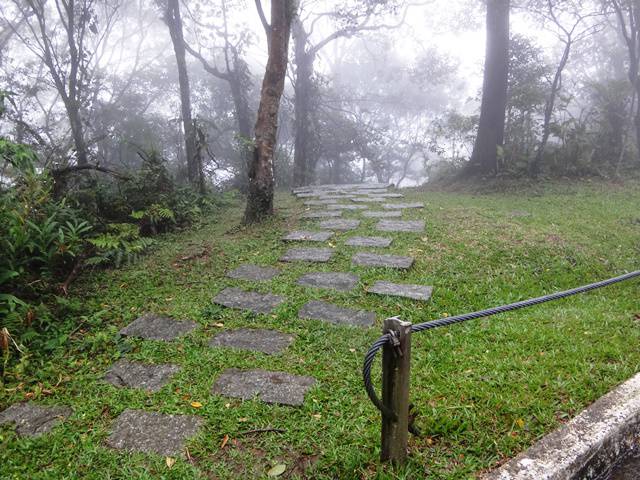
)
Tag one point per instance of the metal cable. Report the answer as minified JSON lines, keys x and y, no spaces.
{"x":443,"y":322}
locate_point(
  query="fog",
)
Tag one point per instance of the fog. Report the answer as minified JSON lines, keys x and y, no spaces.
{"x":393,"y":92}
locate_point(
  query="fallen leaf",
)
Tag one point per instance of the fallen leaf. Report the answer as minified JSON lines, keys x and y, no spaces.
{"x":227,"y":405}
{"x":352,"y":350}
{"x":170,"y":462}
{"x":316,"y":415}
{"x":277,"y":470}
{"x":243,"y":419}
{"x":520,"y":422}
{"x":196,"y":404}
{"x":219,"y":325}
{"x":224,"y":442}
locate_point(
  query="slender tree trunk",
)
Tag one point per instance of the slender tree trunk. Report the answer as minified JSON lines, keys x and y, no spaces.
{"x":174,"y":22}
{"x":302,"y":104}
{"x":77,"y":131}
{"x":243,"y":119}
{"x":484,"y":159}
{"x":534,"y":168}
{"x":260,"y":197}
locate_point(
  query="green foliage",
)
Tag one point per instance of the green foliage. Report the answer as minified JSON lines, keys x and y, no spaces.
{"x":120,"y":244}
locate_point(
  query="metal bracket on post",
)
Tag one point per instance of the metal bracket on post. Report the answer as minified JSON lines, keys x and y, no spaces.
{"x":396,"y":362}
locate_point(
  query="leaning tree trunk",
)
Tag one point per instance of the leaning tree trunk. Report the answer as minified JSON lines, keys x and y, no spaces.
{"x":260,"y":196}
{"x":484,"y":159}
{"x":174,"y":22}
{"x":534,"y":168}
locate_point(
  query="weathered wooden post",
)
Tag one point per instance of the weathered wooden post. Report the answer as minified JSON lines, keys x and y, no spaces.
{"x":396,"y":363}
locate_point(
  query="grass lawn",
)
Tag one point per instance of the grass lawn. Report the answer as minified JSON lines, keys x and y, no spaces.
{"x":485,"y":390}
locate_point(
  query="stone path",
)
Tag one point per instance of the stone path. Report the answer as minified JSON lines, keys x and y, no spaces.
{"x":157,"y":433}
{"x":252,"y":301}
{"x":320,"y":255}
{"x":149,"y":377}
{"x":328,"y":312}
{"x":270,"y":387}
{"x":253,"y":273}
{"x":256,"y":340}
{"x":342,"y":282}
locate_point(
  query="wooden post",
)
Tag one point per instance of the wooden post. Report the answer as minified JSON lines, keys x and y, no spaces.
{"x":396,"y":362}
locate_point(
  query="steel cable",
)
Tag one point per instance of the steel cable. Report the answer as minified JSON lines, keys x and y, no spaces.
{"x":443,"y":322}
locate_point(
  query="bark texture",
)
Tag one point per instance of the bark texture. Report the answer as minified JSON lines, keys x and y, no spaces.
{"x":174,"y":22}
{"x":260,"y":194}
{"x":484,"y":159}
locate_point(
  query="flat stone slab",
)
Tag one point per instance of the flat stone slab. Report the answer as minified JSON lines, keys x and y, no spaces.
{"x":307,"y":255}
{"x":324,"y":201}
{"x":340,"y":224}
{"x":368,"y":200}
{"x":343,"y":282}
{"x":387,"y":195}
{"x":383,"y":214}
{"x":396,"y":206}
{"x":323,"y":214}
{"x":416,"y":292}
{"x":380,"y":242}
{"x":150,"y":432}
{"x":253,"y":273}
{"x":145,"y":376}
{"x":339,"y":206}
{"x":364,"y":259}
{"x":252,"y":301}
{"x":400,"y":226}
{"x":328,"y":312}
{"x":307,"y":236}
{"x":32,"y":420}
{"x":270,"y":387}
{"x":156,"y":327}
{"x":256,"y":340}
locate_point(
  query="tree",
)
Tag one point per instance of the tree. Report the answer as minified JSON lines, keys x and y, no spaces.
{"x":238,"y":77}
{"x":571,"y":31}
{"x":490,"y":138}
{"x":69,"y":50}
{"x":260,"y":195}
{"x":351,"y":21}
{"x":194,"y":158}
{"x":628,"y":15}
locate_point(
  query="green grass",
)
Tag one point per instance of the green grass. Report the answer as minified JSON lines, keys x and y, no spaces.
{"x":485,"y":390}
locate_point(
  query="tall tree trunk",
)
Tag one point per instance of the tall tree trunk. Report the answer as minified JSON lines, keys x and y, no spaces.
{"x":302,"y":104}
{"x":260,"y":197}
{"x":534,"y":168}
{"x":243,"y":119}
{"x":77,"y":130}
{"x":484,"y":159}
{"x":174,"y":22}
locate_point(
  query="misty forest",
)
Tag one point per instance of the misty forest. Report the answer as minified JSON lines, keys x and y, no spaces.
{"x":209,"y":208}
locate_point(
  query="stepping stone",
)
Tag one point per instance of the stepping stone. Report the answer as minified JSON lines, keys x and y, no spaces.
{"x":326,"y":201}
{"x":346,"y":207}
{"x":383,"y":214}
{"x":150,"y":432}
{"x":368,"y":200}
{"x":253,"y":273}
{"x":328,"y":312}
{"x":256,"y":340}
{"x":270,"y":387}
{"x":156,"y":327}
{"x":307,"y":255}
{"x":400,"y":226}
{"x":252,"y":301}
{"x":145,"y":376}
{"x":396,"y":206}
{"x":32,"y":420}
{"x":363,"y":259}
{"x":343,"y":282}
{"x":340,"y":224}
{"x":323,"y":214}
{"x":369,"y":242}
{"x":416,"y":292}
{"x":387,"y":195}
{"x":305,"y":235}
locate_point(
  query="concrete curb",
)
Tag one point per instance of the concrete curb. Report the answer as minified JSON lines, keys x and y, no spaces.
{"x":588,"y":446}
